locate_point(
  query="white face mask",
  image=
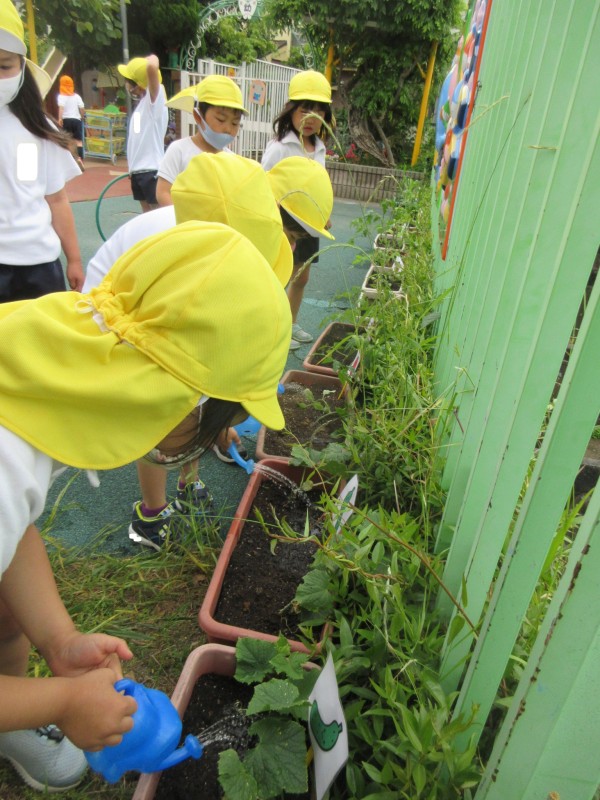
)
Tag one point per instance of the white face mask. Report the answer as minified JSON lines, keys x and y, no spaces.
{"x":10,"y":88}
{"x":214,"y":138}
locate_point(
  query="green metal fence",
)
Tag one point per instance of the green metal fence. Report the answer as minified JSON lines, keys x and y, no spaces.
{"x":525,"y":234}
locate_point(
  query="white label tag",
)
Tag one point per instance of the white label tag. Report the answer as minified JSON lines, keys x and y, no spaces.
{"x":27,"y":161}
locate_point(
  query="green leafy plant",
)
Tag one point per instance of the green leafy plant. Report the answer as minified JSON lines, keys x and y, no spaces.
{"x":277,"y":763}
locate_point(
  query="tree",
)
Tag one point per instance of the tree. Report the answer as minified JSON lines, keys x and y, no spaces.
{"x":381,"y":49}
{"x":233,"y":41}
{"x":88,"y":31}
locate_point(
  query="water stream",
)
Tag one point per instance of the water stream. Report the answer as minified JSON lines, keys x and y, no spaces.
{"x":230,"y":731}
{"x":283,"y":480}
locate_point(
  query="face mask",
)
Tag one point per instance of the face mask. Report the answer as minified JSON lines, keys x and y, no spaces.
{"x":10,"y":88}
{"x":214,"y":139}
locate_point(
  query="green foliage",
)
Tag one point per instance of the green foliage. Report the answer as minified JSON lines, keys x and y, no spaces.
{"x":87,"y":30}
{"x":171,"y":23}
{"x":277,"y":763}
{"x":233,"y":41}
{"x":385,"y":47}
{"x":386,"y":643}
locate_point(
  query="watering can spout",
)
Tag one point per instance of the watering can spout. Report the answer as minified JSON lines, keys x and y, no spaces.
{"x":247,"y":465}
{"x":191,"y":748}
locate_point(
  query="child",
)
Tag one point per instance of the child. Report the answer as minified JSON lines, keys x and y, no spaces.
{"x":156,"y":366}
{"x":299,"y":131}
{"x":236,"y":191}
{"x":70,"y":111}
{"x":216,"y":104}
{"x":36,"y":220}
{"x":147,"y":127}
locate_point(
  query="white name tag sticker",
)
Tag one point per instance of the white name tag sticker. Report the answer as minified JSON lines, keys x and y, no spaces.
{"x":27,"y":161}
{"x":137,"y":121}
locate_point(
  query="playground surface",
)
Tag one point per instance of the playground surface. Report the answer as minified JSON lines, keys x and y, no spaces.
{"x":98,"y":518}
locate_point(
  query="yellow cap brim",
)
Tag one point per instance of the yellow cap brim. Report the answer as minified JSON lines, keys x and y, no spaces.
{"x":43,"y":80}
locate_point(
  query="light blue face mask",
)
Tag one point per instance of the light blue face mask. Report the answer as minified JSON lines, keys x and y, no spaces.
{"x":213,"y":138}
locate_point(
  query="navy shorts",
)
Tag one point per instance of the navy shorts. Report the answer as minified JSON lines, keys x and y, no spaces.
{"x":143,"y":186}
{"x":305,"y":249}
{"x":74,"y":127}
{"x":25,"y":283}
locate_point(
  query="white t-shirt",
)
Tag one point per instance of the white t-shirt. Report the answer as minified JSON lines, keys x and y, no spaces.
{"x":70,"y":104}
{"x":25,"y":477}
{"x":30,"y":169}
{"x":290,"y":145}
{"x":132,"y":232}
{"x":146,"y":132}
{"x":178,"y":156}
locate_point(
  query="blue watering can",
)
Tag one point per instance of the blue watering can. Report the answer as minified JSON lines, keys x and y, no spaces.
{"x":249,"y":427}
{"x":151,"y":745}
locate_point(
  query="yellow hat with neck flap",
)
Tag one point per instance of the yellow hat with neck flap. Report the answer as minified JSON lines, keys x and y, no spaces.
{"x":223,"y":187}
{"x":97,"y":380}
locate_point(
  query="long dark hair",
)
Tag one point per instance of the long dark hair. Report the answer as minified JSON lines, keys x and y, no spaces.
{"x":282,"y":124}
{"x":28,"y":108}
{"x":216,"y":416}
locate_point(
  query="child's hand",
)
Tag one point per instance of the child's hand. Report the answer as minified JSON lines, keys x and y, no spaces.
{"x":94,"y":714}
{"x":227,"y":437}
{"x":83,"y":652}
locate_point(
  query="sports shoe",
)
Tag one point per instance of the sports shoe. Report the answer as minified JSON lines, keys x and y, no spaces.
{"x":299,"y":335}
{"x":194,"y":497}
{"x":44,"y":758}
{"x":223,"y":455}
{"x":294,"y":345}
{"x":150,"y":531}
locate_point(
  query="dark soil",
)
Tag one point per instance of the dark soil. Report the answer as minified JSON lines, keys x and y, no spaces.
{"x":191,"y":780}
{"x":213,"y":697}
{"x":379,"y":279}
{"x":260,"y":585}
{"x":305,"y":424}
{"x":331,"y":350}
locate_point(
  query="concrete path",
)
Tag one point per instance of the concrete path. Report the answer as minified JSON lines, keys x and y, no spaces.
{"x":99,"y":518}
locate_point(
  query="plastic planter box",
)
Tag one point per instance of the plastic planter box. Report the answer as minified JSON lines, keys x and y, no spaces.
{"x":221,"y":632}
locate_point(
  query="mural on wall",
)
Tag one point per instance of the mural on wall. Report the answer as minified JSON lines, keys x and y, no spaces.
{"x":453,"y":113}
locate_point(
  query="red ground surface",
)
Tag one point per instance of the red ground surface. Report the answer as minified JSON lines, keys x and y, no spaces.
{"x":98,"y":174}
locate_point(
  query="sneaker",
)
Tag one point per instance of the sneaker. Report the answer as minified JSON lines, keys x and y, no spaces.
{"x":150,"y":531}
{"x":223,"y":455}
{"x":195,"y":496}
{"x":299,"y":335}
{"x":44,"y":758}
{"x":294,"y":345}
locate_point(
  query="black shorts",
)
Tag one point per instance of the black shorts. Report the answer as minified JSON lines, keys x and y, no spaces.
{"x":143,"y":186}
{"x":25,"y":283}
{"x":74,"y":127}
{"x":305,"y":249}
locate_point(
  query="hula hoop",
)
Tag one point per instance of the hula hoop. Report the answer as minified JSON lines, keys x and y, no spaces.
{"x":102,"y":193}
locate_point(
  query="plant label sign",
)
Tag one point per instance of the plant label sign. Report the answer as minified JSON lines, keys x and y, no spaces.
{"x":346,"y":498}
{"x":327,"y":729}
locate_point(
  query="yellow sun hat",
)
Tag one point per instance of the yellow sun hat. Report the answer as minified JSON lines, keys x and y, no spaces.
{"x":136,"y":71}
{"x":310,"y":85}
{"x":303,"y":188}
{"x":227,"y":188}
{"x":12,"y":39}
{"x":192,"y":311}
{"x":216,"y":90}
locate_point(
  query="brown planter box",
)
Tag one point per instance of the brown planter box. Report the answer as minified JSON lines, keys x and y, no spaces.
{"x":215,"y":658}
{"x":221,"y":632}
{"x":313,"y":358}
{"x":308,"y":379}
